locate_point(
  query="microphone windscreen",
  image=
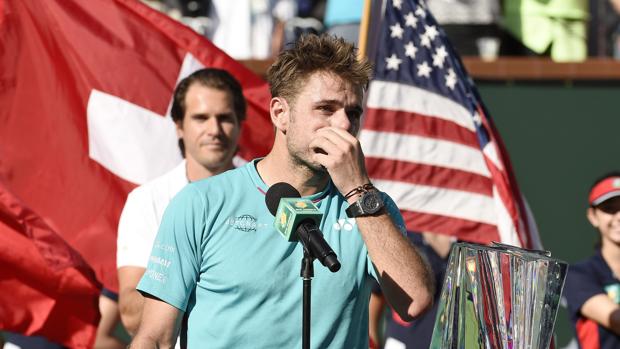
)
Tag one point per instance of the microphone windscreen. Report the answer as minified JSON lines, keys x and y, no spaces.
{"x":278,"y":191}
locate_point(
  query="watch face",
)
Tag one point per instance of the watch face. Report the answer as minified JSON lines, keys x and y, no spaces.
{"x":371,"y":202}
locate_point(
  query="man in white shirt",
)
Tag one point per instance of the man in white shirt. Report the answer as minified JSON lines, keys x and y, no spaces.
{"x":208,"y":109}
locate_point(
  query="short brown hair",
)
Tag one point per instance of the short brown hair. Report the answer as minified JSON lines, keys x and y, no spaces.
{"x":210,"y":77}
{"x":310,"y":54}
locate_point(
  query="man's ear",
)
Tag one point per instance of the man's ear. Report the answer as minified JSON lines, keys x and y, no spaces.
{"x":280,"y":113}
{"x":591,"y":214}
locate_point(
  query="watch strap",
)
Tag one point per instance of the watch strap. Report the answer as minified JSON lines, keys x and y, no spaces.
{"x":354,"y":210}
{"x":358,"y":209}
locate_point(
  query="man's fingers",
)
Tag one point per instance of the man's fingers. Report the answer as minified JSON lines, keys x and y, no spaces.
{"x":323,"y":159}
{"x":340,"y":138}
{"x":323,"y":145}
{"x":338,"y":132}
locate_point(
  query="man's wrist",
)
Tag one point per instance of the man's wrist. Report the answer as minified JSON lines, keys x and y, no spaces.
{"x":365,"y":201}
{"x":354,"y":198}
{"x":354,"y":194}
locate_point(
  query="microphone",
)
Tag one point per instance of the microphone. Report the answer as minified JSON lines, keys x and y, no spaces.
{"x":298,"y":219}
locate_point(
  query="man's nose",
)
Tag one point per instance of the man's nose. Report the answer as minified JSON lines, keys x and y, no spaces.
{"x":212,"y":126}
{"x":340,"y":119}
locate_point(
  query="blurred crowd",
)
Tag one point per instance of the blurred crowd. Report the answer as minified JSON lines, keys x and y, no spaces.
{"x":564,"y":30}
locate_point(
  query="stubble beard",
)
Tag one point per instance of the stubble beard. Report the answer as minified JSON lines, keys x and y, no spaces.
{"x":217,"y":162}
{"x":301,"y":158}
{"x":300,"y":162}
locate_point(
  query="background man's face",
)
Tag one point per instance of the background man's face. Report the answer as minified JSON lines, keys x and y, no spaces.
{"x":209,"y":129}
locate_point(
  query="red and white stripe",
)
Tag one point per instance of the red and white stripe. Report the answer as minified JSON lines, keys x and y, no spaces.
{"x":421,"y":148}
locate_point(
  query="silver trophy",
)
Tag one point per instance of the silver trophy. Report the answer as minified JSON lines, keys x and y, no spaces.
{"x":499,"y":297}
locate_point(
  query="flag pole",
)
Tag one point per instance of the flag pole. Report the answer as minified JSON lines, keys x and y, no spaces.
{"x":363,"y":34}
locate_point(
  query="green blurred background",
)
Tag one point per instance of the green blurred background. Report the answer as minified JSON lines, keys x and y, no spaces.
{"x":560,"y":136}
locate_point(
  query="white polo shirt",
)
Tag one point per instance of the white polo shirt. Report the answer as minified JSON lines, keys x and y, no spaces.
{"x":142,"y":215}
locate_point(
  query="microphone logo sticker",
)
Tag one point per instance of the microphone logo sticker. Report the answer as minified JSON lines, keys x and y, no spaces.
{"x":301,"y":204}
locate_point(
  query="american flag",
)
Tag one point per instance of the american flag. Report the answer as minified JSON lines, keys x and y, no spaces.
{"x":429,"y":142}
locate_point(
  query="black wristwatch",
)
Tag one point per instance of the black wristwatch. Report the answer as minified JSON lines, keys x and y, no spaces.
{"x":368,"y":204}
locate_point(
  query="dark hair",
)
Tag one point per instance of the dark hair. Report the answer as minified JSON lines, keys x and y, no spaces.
{"x":310,"y":54}
{"x":210,"y":77}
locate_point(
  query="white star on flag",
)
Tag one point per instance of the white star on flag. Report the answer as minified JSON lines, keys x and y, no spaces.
{"x":419,"y":11}
{"x":451,"y":79}
{"x":397,"y":3}
{"x":393,"y":62}
{"x":425,"y":40}
{"x":439,"y":57}
{"x":477,"y":119}
{"x":411,"y":20}
{"x":442,"y":51}
{"x":397,"y":31}
{"x":424,"y":70}
{"x":431,"y":31}
{"x":410,"y":50}
{"x":438,"y":61}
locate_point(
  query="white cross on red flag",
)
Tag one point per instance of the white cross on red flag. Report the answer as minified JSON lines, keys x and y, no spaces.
{"x":85,"y":88}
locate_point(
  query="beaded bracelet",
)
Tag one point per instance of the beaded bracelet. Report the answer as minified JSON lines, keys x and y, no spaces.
{"x":361,"y":189}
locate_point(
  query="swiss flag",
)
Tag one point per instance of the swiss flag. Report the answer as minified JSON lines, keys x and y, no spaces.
{"x":85,"y":89}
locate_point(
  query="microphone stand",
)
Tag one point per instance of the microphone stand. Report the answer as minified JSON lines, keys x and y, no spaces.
{"x":307,"y":273}
{"x":311,"y":246}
